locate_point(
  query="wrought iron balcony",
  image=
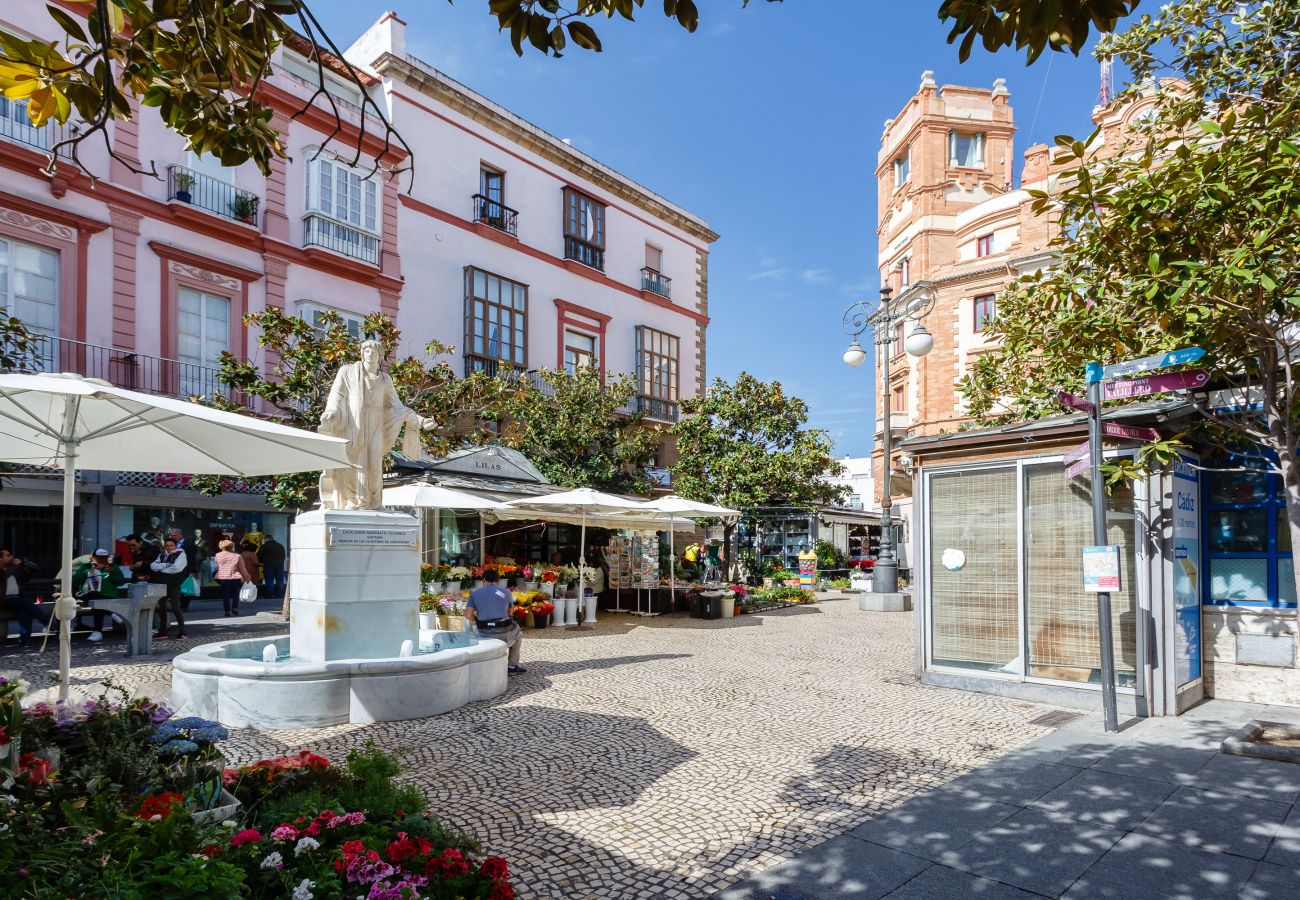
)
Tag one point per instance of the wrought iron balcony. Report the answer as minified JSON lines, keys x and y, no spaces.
{"x":583,"y":252}
{"x":496,"y":215}
{"x":491,"y":366}
{"x":321,"y":231}
{"x":16,"y":126}
{"x":656,"y":283}
{"x":125,"y":369}
{"x":212,"y":194}
{"x":655,"y":408}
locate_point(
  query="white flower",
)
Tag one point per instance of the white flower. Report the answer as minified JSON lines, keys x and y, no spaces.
{"x":306,"y":843}
{"x":303,"y":890}
{"x":229,"y":823}
{"x":273,"y":861}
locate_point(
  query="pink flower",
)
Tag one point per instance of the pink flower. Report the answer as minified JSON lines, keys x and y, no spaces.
{"x":285,"y":833}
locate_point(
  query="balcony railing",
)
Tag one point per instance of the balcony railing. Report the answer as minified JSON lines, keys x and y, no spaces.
{"x":496,"y":215}
{"x":125,"y":369}
{"x":16,"y":126}
{"x":656,"y":283}
{"x":212,"y":194}
{"x":583,"y":252}
{"x":655,"y":408}
{"x":319,"y":231}
{"x":490,"y":366}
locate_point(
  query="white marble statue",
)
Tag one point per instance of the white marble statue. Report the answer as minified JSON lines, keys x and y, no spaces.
{"x":363,"y":407}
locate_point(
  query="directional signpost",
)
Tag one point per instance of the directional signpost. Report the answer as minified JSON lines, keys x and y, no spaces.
{"x":1108,"y":383}
{"x":1078,"y":452}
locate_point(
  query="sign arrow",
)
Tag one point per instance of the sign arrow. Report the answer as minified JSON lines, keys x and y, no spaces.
{"x":1072,"y":401}
{"x":1078,"y":453}
{"x":1150,"y":363}
{"x":1113,"y":429}
{"x":1155,"y":384}
{"x":1076,"y":469}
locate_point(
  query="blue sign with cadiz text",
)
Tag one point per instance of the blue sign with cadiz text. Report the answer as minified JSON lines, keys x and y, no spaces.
{"x":1187,"y":570}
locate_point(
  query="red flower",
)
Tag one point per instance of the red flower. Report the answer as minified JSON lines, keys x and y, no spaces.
{"x":4,"y":736}
{"x":494,"y":867}
{"x":162,"y":805}
{"x":502,"y":891}
{"x":452,"y":862}
{"x":211,"y":850}
{"x":247,"y":836}
{"x":38,"y":771}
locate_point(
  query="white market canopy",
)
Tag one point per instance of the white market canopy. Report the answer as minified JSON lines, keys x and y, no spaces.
{"x":67,"y":421}
{"x":423,"y":494}
{"x":679,"y":506}
{"x":584,"y":506}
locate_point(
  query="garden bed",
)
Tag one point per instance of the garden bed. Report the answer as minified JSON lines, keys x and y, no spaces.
{"x":118,"y":798}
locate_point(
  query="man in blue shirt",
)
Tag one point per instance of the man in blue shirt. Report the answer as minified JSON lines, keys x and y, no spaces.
{"x":489,"y":608}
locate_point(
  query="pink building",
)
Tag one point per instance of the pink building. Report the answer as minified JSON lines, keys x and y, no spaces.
{"x":511,"y":245}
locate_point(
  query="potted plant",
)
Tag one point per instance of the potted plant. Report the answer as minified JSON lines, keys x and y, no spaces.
{"x":543,"y":609}
{"x":451,"y":613}
{"x":428,"y":612}
{"x":456,"y":575}
{"x":549,"y":578}
{"x":187,"y":748}
{"x":244,"y":208}
{"x":181,"y":184}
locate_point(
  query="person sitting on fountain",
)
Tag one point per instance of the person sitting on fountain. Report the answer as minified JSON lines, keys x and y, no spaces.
{"x":489,"y":608}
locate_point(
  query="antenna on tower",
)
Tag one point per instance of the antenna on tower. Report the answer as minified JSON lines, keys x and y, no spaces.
{"x":1107,"y":93}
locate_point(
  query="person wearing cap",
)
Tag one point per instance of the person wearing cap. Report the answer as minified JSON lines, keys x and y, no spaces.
{"x":97,"y":579}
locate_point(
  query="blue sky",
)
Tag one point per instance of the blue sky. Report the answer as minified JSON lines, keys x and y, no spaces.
{"x":765,"y":122}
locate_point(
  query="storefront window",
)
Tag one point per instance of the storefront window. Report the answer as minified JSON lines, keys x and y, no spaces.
{"x":1238,"y":531}
{"x":1239,"y":580}
{"x":1240,"y":486}
{"x":973,"y":573}
{"x":1061,"y":627}
{"x":201,"y":529}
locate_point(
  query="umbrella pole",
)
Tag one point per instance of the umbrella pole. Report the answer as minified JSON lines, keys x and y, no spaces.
{"x":582,"y":572}
{"x":61,"y":606}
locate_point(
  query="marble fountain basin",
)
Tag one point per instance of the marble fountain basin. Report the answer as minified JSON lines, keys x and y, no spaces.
{"x":228,"y":681}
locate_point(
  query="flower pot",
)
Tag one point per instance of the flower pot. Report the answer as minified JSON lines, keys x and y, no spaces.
{"x":227,"y":806}
{"x":570,"y":610}
{"x":184,"y":196}
{"x":429,"y":620}
{"x":451,"y":623}
{"x":206,"y":795}
{"x":250,"y":219}
{"x":541,"y":620}
{"x":478,"y":583}
{"x":533,"y":586}
{"x":557,"y":617}
{"x":451,"y":587}
{"x":530,"y":621}
{"x":548,"y":588}
{"x":433,"y":587}
{"x":728,"y":607}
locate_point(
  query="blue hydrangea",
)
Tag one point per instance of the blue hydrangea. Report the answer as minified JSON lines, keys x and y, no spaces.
{"x":179,"y":746}
{"x":192,"y":722}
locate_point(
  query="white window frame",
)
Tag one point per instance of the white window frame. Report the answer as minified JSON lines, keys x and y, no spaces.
{"x":979,"y":141}
{"x":305,"y":70}
{"x":323,"y":164}
{"x":307,"y":307}
{"x":902,"y":168}
{"x":578,"y":332}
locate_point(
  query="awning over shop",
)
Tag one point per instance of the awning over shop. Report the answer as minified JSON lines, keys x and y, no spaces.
{"x":843,"y":515}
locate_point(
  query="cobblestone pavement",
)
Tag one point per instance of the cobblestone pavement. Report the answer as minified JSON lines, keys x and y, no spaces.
{"x":660,"y":758}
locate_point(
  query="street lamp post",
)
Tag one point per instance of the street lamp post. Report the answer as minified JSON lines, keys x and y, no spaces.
{"x":884,"y":315}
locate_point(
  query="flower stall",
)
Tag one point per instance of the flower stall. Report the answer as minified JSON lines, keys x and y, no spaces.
{"x":114,"y":797}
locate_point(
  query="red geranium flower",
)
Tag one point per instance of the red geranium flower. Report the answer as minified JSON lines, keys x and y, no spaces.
{"x":494,"y":867}
{"x":247,"y":836}
{"x":160,"y":805}
{"x":38,"y":771}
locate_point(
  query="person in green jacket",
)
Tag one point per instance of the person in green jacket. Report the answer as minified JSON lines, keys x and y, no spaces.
{"x":98,"y":579}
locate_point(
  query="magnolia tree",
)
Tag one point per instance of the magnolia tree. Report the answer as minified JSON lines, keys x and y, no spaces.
{"x":1188,"y":236}
{"x":581,"y":431}
{"x":745,"y":445}
{"x":301,"y":362}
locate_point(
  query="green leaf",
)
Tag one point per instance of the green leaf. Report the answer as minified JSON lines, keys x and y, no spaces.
{"x":1210,"y":127}
{"x":584,"y":36}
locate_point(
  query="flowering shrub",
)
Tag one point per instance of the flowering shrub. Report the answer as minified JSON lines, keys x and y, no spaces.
{"x":306,"y":829}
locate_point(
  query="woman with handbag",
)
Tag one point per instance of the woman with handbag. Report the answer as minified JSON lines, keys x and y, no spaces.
{"x":232,"y":575}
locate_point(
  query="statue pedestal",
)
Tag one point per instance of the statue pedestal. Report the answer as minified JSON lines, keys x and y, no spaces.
{"x":355,"y":584}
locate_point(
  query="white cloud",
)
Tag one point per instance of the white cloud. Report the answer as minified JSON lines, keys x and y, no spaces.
{"x":815,"y":276}
{"x":767,"y":262}
{"x":769,"y":274}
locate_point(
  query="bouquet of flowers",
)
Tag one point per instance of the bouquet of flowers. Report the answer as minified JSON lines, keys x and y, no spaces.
{"x":442,"y":572}
{"x":542,"y":607}
{"x":459,"y":573}
{"x":426,"y":573}
{"x":518,"y":613}
{"x":449,"y":605}
{"x":428,"y":603}
{"x":527,"y":573}
{"x":550,"y":576}
{"x":569,"y":575}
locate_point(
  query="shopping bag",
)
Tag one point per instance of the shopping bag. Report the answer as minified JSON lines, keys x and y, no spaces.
{"x":189,"y":587}
{"x":248,"y":593}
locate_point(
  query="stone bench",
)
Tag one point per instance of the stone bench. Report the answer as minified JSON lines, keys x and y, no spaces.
{"x":136,"y":610}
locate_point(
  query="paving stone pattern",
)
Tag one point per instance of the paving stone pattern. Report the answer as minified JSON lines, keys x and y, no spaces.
{"x":1152,"y":813}
{"x":669,"y":757}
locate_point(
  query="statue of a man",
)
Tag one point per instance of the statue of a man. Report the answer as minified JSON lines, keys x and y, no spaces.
{"x":363,"y":407}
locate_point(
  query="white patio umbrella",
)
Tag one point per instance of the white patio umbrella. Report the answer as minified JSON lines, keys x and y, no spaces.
{"x":434,"y":496}
{"x":426,"y":495}
{"x":65,"y":421}
{"x":582,"y":502}
{"x":672,"y":506}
